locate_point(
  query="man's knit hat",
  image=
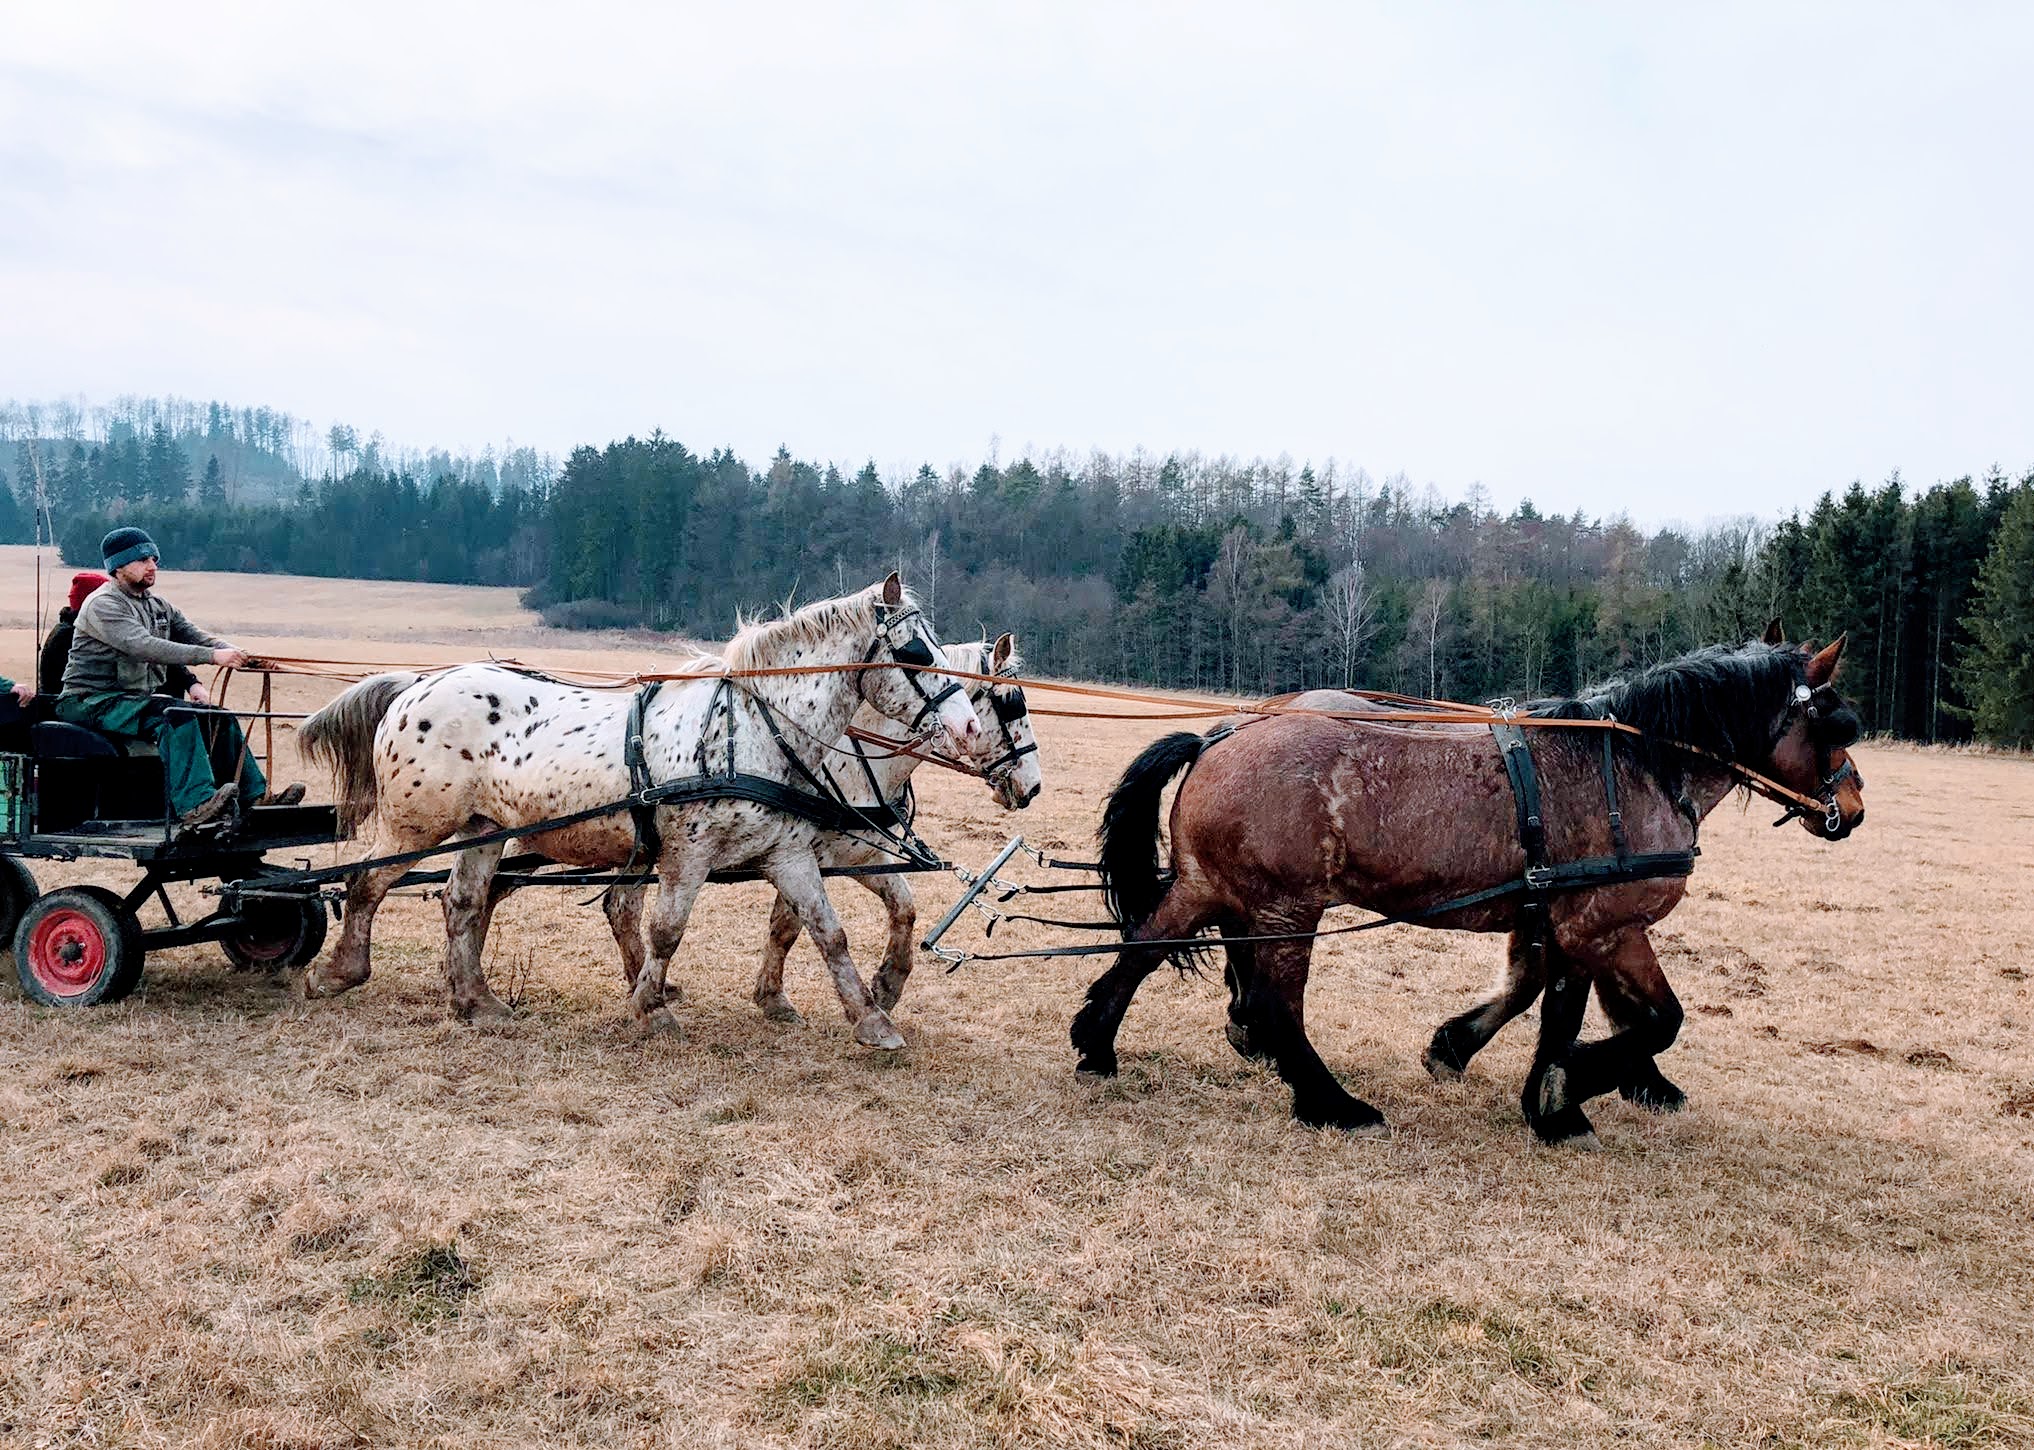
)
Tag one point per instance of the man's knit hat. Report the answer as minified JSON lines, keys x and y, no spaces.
{"x":124,"y":546}
{"x":82,"y":584}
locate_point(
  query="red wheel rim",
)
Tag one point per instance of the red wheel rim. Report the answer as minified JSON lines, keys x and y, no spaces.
{"x":66,"y":952}
{"x":267,"y":948}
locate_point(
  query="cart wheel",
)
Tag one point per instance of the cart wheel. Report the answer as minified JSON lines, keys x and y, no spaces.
{"x":282,"y":934}
{"x":78,"y":947}
{"x":17,"y":890}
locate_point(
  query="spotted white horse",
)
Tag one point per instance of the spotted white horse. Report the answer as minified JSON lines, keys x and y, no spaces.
{"x":482,"y":748}
{"x":873,"y":770}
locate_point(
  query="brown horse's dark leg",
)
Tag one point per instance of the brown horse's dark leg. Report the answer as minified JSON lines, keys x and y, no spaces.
{"x":1095,"y":1026}
{"x":1275,"y":1005}
{"x":1553,"y":1118}
{"x":1645,"y":1085}
{"x":1238,"y":973}
{"x":1626,"y":964}
{"x":1461,"y":1038}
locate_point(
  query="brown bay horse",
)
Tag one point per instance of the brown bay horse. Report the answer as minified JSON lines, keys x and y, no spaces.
{"x":1294,"y":813}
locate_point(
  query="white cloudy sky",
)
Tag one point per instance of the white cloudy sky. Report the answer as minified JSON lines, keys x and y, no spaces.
{"x":1684,"y":261}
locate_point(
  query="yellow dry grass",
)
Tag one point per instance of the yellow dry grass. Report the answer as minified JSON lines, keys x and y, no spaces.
{"x":232,"y":1218}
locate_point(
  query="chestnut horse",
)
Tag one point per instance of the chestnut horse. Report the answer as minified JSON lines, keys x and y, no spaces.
{"x":1295,"y":813}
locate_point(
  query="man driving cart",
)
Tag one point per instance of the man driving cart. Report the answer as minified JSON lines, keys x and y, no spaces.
{"x":128,"y":639}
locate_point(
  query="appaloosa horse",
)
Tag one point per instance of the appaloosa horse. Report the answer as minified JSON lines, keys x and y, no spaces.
{"x":481,"y":748}
{"x":1295,"y":813}
{"x":876,"y":774}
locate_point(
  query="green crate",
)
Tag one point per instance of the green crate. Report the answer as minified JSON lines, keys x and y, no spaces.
{"x":13,"y":797}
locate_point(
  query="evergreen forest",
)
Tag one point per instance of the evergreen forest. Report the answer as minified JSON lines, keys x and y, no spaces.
{"x":1255,"y":576}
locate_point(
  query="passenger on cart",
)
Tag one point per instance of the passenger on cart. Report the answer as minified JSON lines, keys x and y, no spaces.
{"x":127,"y":640}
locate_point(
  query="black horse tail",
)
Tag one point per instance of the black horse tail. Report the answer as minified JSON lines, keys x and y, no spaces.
{"x":1129,"y":834}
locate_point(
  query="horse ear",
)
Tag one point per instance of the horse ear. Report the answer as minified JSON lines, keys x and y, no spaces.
{"x":1775,"y":634}
{"x":1004,"y":648}
{"x":1822,"y":667}
{"x":893,"y":590}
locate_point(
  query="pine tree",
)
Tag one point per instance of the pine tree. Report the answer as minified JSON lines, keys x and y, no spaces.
{"x":166,"y":472}
{"x":212,"y":490}
{"x":1997,"y":669}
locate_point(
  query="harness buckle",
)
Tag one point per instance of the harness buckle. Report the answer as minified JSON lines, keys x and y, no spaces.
{"x":1539,"y":878}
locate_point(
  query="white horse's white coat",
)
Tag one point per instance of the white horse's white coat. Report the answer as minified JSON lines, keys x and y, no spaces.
{"x":481,"y":748}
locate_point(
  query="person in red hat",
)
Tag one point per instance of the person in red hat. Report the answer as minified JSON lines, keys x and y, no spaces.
{"x":56,"y":650}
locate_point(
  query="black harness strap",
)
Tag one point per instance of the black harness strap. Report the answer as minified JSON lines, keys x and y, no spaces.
{"x":1517,"y":754}
{"x":649,"y":841}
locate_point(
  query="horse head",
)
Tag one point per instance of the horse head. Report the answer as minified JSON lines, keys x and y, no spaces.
{"x":1007,"y":755}
{"x":915,"y":689}
{"x":1811,"y":752}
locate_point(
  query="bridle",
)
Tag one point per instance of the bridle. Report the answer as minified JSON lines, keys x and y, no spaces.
{"x":914,"y":656}
{"x":1822,"y":707}
{"x":1008,"y":706}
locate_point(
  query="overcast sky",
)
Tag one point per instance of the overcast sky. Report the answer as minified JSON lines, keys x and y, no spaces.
{"x":1683,"y":261}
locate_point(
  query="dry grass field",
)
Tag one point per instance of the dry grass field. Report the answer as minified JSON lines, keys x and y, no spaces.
{"x":234,"y":1218}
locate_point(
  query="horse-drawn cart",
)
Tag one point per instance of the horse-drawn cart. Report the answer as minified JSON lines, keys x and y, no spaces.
{"x":70,"y":794}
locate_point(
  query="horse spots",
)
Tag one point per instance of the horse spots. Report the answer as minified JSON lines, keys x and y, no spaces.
{"x":423,"y":727}
{"x":402,"y":724}
{"x":493,"y":703}
{"x":465,"y":755}
{"x":494,"y":717}
{"x":533,"y":702}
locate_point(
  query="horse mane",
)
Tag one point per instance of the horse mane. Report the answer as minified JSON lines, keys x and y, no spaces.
{"x":760,"y":643}
{"x":1724,"y":699}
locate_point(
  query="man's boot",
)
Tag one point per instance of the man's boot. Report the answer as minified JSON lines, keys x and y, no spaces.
{"x":207,"y":811}
{"x":289,"y":795}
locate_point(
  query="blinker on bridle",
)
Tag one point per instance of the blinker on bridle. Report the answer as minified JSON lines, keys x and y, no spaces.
{"x":914,"y":653}
{"x":1825,"y":727}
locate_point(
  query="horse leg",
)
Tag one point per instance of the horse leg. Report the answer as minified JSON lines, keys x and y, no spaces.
{"x":1651,"y":1019}
{"x":348,"y":965}
{"x":1645,"y":1084}
{"x":901,"y":956}
{"x":1554,"y":1115}
{"x":769,"y":993}
{"x":1462,"y":1037}
{"x":623,"y":908}
{"x":1179,"y":914}
{"x":677,"y":888}
{"x":1237,"y":972}
{"x":469,"y":907}
{"x":1276,"y":1007}
{"x":795,"y":874}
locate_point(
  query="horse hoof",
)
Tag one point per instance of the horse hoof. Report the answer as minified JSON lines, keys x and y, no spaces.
{"x":1439,"y":1068}
{"x":1246,"y":1047}
{"x":1096,"y":1065}
{"x":1659,"y":1096}
{"x":1442,"y":1061}
{"x":1553,"y":1096}
{"x":1355,"y":1117}
{"x":660,"y":1023}
{"x":778,"y":1008}
{"x":876,"y":1030}
{"x":318,"y":985}
{"x":487,"y":1012}
{"x":1567,"y":1129}
{"x":1585,"y":1141}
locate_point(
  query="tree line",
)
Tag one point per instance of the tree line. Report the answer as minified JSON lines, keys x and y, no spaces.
{"x":1254,"y":576}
